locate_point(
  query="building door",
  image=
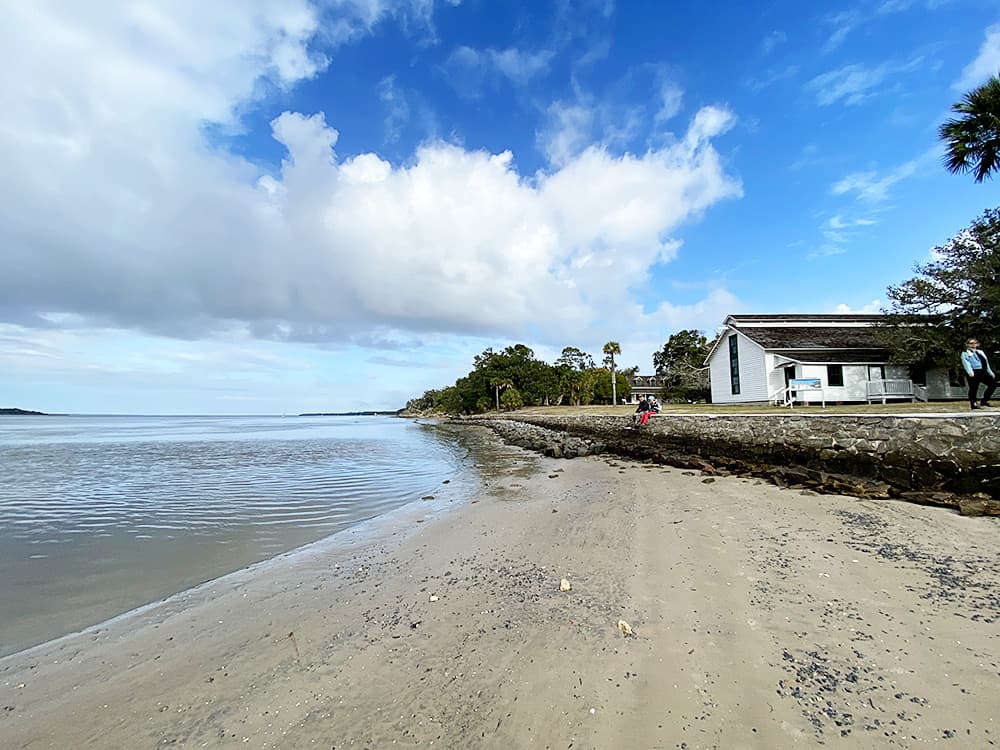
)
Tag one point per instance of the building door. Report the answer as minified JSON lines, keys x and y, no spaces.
{"x":789,"y":374}
{"x":876,"y":372}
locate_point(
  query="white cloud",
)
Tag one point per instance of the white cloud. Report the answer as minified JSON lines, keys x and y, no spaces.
{"x":837,"y":233}
{"x":468,"y":70}
{"x":397,"y":108}
{"x":872,"y":187}
{"x":986,"y":64}
{"x":845,"y":22}
{"x":117,"y":209}
{"x":520,"y":67}
{"x":875,"y":306}
{"x":842,"y":24}
{"x":888,"y":7}
{"x":852,"y":83}
{"x":670,"y":97}
{"x":637,"y":107}
{"x":708,"y":123}
{"x":772,"y":40}
{"x":771,"y":77}
{"x":569,"y":130}
{"x":838,"y":222}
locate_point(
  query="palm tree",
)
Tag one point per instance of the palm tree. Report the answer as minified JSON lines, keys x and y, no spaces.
{"x":973,"y":139}
{"x":610,"y":350}
{"x":500,"y":384}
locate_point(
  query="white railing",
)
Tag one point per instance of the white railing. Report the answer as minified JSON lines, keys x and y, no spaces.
{"x":788,"y":395}
{"x":782,"y":397}
{"x":920,"y":393}
{"x":882,"y":390}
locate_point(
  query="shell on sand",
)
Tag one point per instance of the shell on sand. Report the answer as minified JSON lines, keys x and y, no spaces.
{"x":564,"y":585}
{"x":625,"y":628}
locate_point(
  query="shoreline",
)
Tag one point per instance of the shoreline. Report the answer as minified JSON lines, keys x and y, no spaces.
{"x":85,"y":543}
{"x":763,"y":617}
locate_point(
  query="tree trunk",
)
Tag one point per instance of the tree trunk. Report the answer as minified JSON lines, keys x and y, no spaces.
{"x":614,"y":383}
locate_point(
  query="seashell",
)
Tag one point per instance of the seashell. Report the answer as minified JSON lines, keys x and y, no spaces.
{"x":564,"y":585}
{"x":625,"y":628}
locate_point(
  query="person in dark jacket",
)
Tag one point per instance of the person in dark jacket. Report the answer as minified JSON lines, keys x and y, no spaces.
{"x":641,"y":416}
{"x":977,"y":370}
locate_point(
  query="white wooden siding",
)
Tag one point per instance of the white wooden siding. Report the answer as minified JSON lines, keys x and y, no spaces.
{"x":775,"y":377}
{"x":753,"y":372}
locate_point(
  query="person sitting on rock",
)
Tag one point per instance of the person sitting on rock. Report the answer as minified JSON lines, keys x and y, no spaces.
{"x":644,"y":411}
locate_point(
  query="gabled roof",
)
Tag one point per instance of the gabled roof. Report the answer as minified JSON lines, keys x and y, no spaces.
{"x":821,"y":338}
{"x":818,"y":337}
{"x":834,"y":356}
{"x":817,"y":319}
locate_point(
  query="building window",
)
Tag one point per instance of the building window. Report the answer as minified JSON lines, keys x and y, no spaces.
{"x":834,"y":375}
{"x":734,"y":364}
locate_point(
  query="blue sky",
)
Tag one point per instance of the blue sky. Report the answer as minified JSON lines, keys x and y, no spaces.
{"x":252,"y":207}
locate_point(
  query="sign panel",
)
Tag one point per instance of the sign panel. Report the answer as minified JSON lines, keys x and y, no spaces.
{"x":803,"y":383}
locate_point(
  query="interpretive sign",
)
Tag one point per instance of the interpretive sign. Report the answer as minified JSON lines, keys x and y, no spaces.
{"x":804,"y":383}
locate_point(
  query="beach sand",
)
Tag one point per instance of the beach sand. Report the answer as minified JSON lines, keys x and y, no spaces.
{"x":762,"y":618}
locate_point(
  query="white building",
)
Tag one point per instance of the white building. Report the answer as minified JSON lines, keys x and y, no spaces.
{"x":814,"y":358}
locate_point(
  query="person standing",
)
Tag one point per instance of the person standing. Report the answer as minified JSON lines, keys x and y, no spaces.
{"x":977,"y":370}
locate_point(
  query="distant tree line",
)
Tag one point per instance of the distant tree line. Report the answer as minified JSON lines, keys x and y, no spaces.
{"x":514,"y":377}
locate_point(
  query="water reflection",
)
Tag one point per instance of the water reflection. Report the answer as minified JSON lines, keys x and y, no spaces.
{"x":102,"y":514}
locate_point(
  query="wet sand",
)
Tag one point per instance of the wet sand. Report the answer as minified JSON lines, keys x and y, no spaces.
{"x":762,"y":618}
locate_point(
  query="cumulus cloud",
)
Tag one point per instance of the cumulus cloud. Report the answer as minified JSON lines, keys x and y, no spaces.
{"x":118,"y":211}
{"x":986,"y":64}
{"x":642,"y":101}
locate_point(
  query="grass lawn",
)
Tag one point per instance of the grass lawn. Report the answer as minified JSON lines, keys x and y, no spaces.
{"x":919,"y":407}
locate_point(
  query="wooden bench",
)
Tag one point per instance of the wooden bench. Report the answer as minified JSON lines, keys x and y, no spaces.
{"x":883,"y":390}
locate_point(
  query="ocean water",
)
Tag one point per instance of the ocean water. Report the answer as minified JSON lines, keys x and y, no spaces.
{"x":99,"y":515}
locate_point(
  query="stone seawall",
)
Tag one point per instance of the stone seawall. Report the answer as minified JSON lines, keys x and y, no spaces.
{"x":950,"y":460}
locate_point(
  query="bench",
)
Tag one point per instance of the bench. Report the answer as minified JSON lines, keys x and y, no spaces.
{"x":883,"y":390}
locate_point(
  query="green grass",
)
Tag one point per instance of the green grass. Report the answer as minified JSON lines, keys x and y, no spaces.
{"x":936,"y":407}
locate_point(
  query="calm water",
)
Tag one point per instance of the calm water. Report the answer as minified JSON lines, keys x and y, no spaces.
{"x":99,"y":515}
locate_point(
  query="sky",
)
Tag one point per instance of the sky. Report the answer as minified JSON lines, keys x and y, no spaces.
{"x":256,"y":207}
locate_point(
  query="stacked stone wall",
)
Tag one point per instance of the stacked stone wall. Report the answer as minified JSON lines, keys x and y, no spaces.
{"x":947,"y":460}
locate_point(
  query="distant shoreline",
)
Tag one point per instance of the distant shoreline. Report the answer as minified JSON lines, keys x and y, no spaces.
{"x":392,"y":413}
{"x":23,"y":412}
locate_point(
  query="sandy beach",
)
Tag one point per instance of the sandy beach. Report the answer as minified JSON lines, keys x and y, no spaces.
{"x":761,"y":618}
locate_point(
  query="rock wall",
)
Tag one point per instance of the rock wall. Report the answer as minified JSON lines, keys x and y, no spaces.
{"x":939,"y":459}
